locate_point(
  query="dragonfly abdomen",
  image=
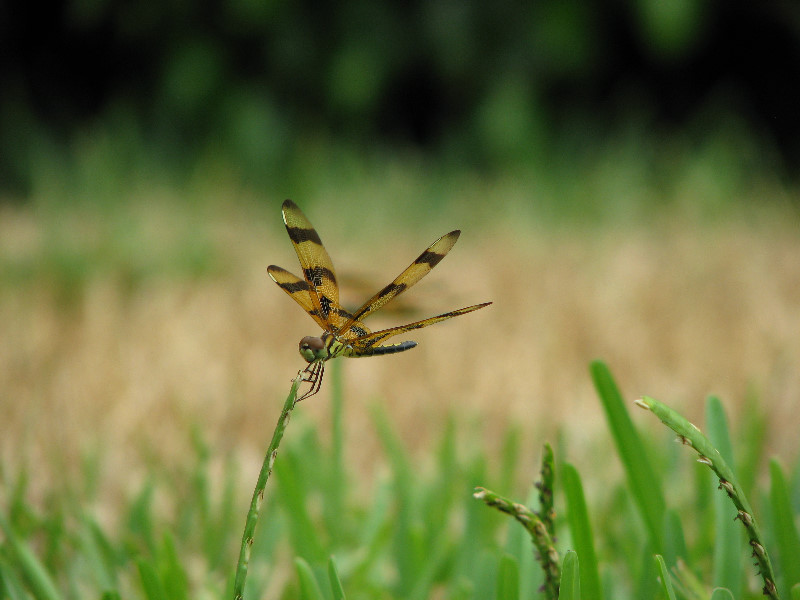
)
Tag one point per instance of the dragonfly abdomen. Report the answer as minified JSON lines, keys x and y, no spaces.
{"x":352,"y":352}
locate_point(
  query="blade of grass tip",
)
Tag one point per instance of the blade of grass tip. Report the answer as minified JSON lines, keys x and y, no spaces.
{"x":336,"y":584}
{"x":642,"y":479}
{"x":581,"y":531}
{"x":646,"y":582}
{"x":796,"y":592}
{"x":140,"y":520}
{"x":784,"y":528}
{"x":727,"y":572}
{"x":34,"y":571}
{"x":173,"y":575}
{"x":665,"y":578}
{"x":508,"y":578}
{"x":691,"y":436}
{"x":151,"y":583}
{"x":309,"y":588}
{"x":258,"y":492}
{"x":570,"y":588}
{"x":99,"y":553}
{"x":722,"y":594}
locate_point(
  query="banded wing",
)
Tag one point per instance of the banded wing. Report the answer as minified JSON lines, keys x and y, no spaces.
{"x":299,"y":290}
{"x":368,"y":341}
{"x":352,"y":329}
{"x":323,"y":291}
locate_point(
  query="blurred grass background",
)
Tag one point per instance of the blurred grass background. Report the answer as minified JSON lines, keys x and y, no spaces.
{"x":625,"y":175}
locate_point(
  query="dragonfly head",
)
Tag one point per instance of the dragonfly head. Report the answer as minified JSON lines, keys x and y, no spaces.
{"x":313,"y":349}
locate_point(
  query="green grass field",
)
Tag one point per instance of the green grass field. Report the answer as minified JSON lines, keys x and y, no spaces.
{"x":145,"y":357}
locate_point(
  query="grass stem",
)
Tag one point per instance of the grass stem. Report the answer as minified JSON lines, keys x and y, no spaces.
{"x":258,"y":493}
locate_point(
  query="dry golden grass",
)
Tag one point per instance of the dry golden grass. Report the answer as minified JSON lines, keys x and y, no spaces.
{"x":127,"y":364}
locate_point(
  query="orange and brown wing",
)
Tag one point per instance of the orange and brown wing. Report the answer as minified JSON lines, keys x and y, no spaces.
{"x":323,"y":291}
{"x":415,"y":271}
{"x":299,"y":290}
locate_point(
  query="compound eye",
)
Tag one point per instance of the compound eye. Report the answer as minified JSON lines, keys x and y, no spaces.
{"x":312,"y":348}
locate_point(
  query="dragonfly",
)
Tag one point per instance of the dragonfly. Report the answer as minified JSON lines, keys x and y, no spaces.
{"x":344,"y":332}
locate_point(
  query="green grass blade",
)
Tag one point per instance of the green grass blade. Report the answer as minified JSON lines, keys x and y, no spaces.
{"x":10,"y":585}
{"x":508,"y":578}
{"x":151,"y":583}
{"x":727,"y":571}
{"x":173,"y":575}
{"x":434,"y":562}
{"x":643,"y":481}
{"x":722,"y":594}
{"x":405,"y":540}
{"x":674,"y":539}
{"x":39,"y":580}
{"x":333,"y":578}
{"x":784,"y":528}
{"x":570,"y":588}
{"x":796,"y":592}
{"x":580,"y":529}
{"x":99,"y":553}
{"x":309,"y":588}
{"x":664,"y":577}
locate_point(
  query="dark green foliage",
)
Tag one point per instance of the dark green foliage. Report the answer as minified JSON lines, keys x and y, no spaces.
{"x":246,"y":87}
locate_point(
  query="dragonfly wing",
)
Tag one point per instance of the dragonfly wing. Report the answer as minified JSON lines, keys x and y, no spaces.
{"x":299,"y":290}
{"x":377,"y":337}
{"x":415,"y":271}
{"x":316,"y":263}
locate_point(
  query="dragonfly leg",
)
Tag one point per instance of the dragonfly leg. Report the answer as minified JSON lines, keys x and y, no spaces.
{"x":313,"y":374}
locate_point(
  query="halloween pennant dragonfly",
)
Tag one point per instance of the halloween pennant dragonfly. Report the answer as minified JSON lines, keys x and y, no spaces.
{"x":318,"y":294}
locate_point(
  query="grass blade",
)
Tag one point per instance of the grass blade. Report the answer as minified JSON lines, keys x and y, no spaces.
{"x":784,"y":528}
{"x":581,"y":530}
{"x":664,"y":577}
{"x":508,"y":578}
{"x":642,"y":480}
{"x":309,"y":588}
{"x":35,"y":572}
{"x":570,"y":577}
{"x":151,"y":583}
{"x":727,"y":539}
{"x":333,"y":578}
